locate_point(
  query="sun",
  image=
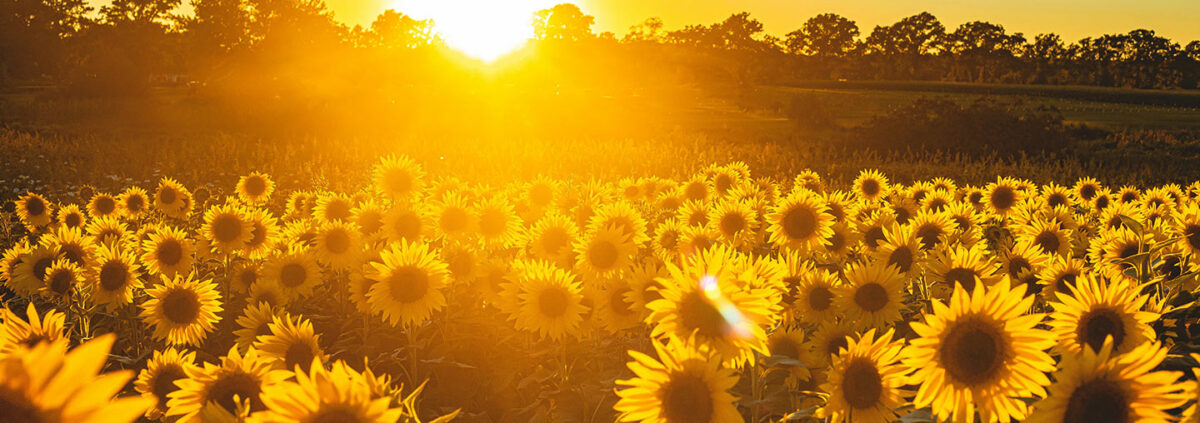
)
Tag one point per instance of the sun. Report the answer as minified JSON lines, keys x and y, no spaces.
{"x":484,"y":29}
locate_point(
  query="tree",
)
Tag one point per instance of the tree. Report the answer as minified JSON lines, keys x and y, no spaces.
{"x":564,"y":21}
{"x":219,"y":26}
{"x":392,"y":29}
{"x":34,"y":34}
{"x":984,"y":48}
{"x":824,"y":35}
{"x":905,"y":42}
{"x":650,"y":30}
{"x":1047,"y":53}
{"x":139,"y":11}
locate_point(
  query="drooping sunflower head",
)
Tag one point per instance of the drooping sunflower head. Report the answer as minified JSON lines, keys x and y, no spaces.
{"x":183,"y":310}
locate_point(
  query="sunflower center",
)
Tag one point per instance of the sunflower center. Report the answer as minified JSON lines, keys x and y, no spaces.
{"x":697,"y":314}
{"x":60,"y":282}
{"x":398,"y":181}
{"x":553,"y":302}
{"x":937,"y":204}
{"x":370,"y":222}
{"x":873,"y":236}
{"x":255,"y":186}
{"x":164,"y":383}
{"x":1097,"y":401}
{"x":113,"y":275}
{"x":836,"y":242}
{"x":540,"y":194}
{"x":167,"y":195}
{"x":861,"y":384}
{"x":73,"y":220}
{"x":16,"y":409}
{"x":72,"y":252}
{"x":181,"y":306}
{"x":1096,"y":325}
{"x":40,"y":266}
{"x":1102,"y":202}
{"x":1087,"y":192}
{"x":1127,"y":251}
{"x":299,"y":354}
{"x":408,"y":284}
{"x":35,"y":206}
{"x":783,"y":346}
{"x":554,"y":239}
{"x":292,"y":275}
{"x":169,"y":252}
{"x":248,"y":276}
{"x":871,"y":297}
{"x":226,"y":228}
{"x":242,"y":385}
{"x":669,"y":240}
{"x":453,"y":220}
{"x":972,"y":352}
{"x":258,"y":234}
{"x":616,"y":301}
{"x":460,"y":264}
{"x":1047,"y":241}
{"x":732,"y":223}
{"x":105,"y":205}
{"x":602,"y":255}
{"x":1065,"y":282}
{"x":337,"y":210}
{"x":337,"y":241}
{"x":492,"y":223}
{"x":799,"y":223}
{"x":902,"y":214}
{"x":686,"y":398}
{"x":1003,"y":198}
{"x":820,"y":298}
{"x":1016,"y":265}
{"x":930,"y":235}
{"x":695,"y":191}
{"x":962,"y":277}
{"x":32,"y":340}
{"x":902,"y":258}
{"x":1056,"y":199}
{"x":722,"y":182}
{"x":335,"y":414}
{"x":836,"y":343}
{"x":870,"y":187}
{"x":408,"y":226}
{"x":135,"y":203}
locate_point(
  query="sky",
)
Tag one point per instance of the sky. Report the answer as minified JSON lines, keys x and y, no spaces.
{"x":1073,"y":19}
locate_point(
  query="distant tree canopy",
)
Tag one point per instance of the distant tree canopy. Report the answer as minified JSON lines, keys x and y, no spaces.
{"x":130,"y":44}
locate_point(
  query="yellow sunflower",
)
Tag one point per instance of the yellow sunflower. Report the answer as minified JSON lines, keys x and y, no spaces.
{"x":102,"y":205}
{"x":133,"y":202}
{"x":1085,"y":189}
{"x":735,"y":222}
{"x":668,"y":237}
{"x":865,"y":381}
{"x":622,"y":215}
{"x":254,"y":322}
{"x":71,"y":217}
{"x":788,"y":342}
{"x":702,"y":298}
{"x":1109,"y":250}
{"x":183,"y":310}
{"x":1101,"y":386}
{"x":108,"y":230}
{"x":604,"y":252}
{"x":686,"y":386}
{"x":338,"y":244}
{"x":1003,"y":195}
{"x":291,"y":343}
{"x":552,"y":237}
{"x":408,"y":222}
{"x":816,"y":294}
{"x":453,"y":216}
{"x":408,"y":284}
{"x":262,"y":291}
{"x":398,"y":178}
{"x":172,"y":199}
{"x":224,"y":389}
{"x":961,"y":266}
{"x":34,"y":211}
{"x":871,"y":185}
{"x":255,"y":188}
{"x":63,"y":278}
{"x":333,"y":207}
{"x":371,"y":218}
{"x":72,"y":244}
{"x":1097,"y":310}
{"x":16,"y":332}
{"x":1048,"y":235}
{"x":800,"y":222}
{"x":244,"y":275}
{"x":227,"y":228}
{"x":264,"y":233}
{"x":497,"y":223}
{"x":693,"y":213}
{"x":29,"y":269}
{"x":872,"y":296}
{"x":549,"y":301}
{"x":900,"y":248}
{"x":47,"y":383}
{"x":340,"y":394}
{"x":115,"y":276}
{"x":157,"y":381}
{"x":167,"y":252}
{"x":295,"y":272}
{"x":981,"y":353}
{"x":612,"y":307}
{"x":830,"y":338}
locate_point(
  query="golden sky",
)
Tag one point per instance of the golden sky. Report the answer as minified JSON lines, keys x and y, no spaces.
{"x":1073,"y":19}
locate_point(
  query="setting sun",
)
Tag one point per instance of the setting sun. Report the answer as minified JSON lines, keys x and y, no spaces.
{"x":485,"y":29}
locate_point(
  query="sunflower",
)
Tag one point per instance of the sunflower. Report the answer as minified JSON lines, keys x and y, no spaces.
{"x":254,"y":322}
{"x":612,"y":307}
{"x":115,"y":276}
{"x":693,"y":213}
{"x":800,"y":222}
{"x":72,"y":243}
{"x":71,"y":217}
{"x":932,"y":228}
{"x":34,"y":211}
{"x":964,"y":266}
{"x":333,"y":207}
{"x":295,"y":272}
{"x":227,"y":227}
{"x":1085,"y":189}
{"x":225,"y":389}
{"x":462,"y":262}
{"x":338,"y":244}
{"x":900,"y":248}
{"x":398,"y":178}
{"x":9,"y":264}
{"x":167,"y":252}
{"x":788,"y":342}
{"x":735,"y":222}
{"x":1187,"y":228}
{"x":1003,"y":195}
{"x":16,"y":332}
{"x":622,"y":215}
{"x":605,"y":252}
{"x":668,"y":237}
{"x":809,"y":180}
{"x":872,"y":296}
{"x":102,"y":205}
{"x":1111,"y":218}
{"x":497,"y":223}
{"x":108,"y":230}
{"x":873,"y":227}
{"x":549,"y":301}
{"x":133,"y":202}
{"x":29,"y":269}
{"x":264,"y":233}
{"x":816,"y":296}
{"x":552,"y":237}
{"x":183,"y":310}
{"x":685,"y":386}
{"x":172,"y":199}
{"x":340,"y":394}
{"x":157,"y":381}
{"x":291,"y":343}
{"x":1101,"y":386}
{"x":865,"y":381}
{"x":63,"y":278}
{"x":1096,"y":311}
{"x":702,"y":296}
{"x":827,"y":342}
{"x":1022,"y":264}
{"x":255,"y":188}
{"x":982,"y":352}
{"x":47,"y":383}
{"x":371,"y":218}
{"x":1109,"y":250}
{"x":937,"y":201}
{"x":408,"y":283}
{"x":300,"y":204}
{"x":643,"y":286}
{"x":871,"y":185}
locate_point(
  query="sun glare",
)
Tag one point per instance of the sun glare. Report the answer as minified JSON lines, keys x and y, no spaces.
{"x":485,"y":29}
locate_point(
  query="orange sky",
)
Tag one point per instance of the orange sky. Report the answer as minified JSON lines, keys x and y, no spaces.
{"x":1074,"y":19}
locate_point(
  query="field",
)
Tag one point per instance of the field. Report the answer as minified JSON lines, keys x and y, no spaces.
{"x":715,"y":261}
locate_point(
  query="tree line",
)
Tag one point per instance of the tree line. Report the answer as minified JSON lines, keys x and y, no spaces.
{"x":129,"y":45}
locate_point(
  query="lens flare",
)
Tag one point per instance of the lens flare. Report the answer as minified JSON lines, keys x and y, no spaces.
{"x":737,"y":323}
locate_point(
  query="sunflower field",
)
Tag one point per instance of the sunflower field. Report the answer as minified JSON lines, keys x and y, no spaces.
{"x":720,"y":297}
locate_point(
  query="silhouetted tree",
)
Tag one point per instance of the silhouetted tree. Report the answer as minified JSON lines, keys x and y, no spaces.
{"x":824,"y":35}
{"x":905,"y":42}
{"x":392,"y":29}
{"x":982,"y":50}
{"x":34,"y":35}
{"x":650,"y":30}
{"x":564,"y":21}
